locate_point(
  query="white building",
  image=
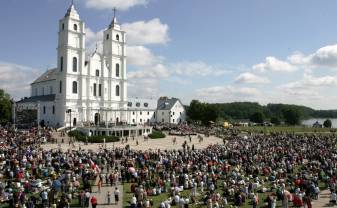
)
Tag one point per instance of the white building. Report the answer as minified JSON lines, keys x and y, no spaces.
{"x":87,"y":91}
{"x":170,"y":110}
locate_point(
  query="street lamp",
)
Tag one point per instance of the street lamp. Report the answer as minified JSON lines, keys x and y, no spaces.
{"x":69,"y":111}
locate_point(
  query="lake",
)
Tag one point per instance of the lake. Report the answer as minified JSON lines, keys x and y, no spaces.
{"x":310,"y":122}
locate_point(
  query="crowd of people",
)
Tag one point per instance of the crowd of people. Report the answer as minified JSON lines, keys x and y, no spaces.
{"x":261,"y":170}
{"x":287,"y":169}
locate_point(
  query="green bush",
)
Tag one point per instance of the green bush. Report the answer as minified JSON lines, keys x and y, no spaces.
{"x":157,"y":135}
{"x":79,"y":136}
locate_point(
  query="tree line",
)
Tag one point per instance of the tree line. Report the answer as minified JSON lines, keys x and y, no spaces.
{"x":253,"y":111}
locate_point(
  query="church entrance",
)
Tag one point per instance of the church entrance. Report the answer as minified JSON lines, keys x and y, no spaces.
{"x":117,"y":121}
{"x":74,"y":122}
{"x":97,"y":118}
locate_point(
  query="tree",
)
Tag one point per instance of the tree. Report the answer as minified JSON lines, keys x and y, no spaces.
{"x":327,"y":123}
{"x":209,"y":114}
{"x":275,"y":121}
{"x":257,"y":117}
{"x":195,"y":110}
{"x":291,"y":116}
{"x":5,"y":107}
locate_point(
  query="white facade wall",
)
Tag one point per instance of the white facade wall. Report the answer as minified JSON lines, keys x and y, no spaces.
{"x":43,"y":88}
{"x":177,"y":113}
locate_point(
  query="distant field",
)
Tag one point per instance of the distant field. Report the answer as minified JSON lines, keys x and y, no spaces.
{"x":287,"y":129}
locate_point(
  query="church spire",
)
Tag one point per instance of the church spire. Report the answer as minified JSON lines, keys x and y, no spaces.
{"x":71,"y":10}
{"x":114,"y":20}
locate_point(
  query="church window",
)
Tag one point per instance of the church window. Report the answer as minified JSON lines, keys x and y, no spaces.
{"x":63,"y":26}
{"x":117,"y":37}
{"x":60,"y":86}
{"x":129,"y":104}
{"x":154,"y":115}
{"x":146,"y":105}
{"x":95,"y":86}
{"x":74,"y":87}
{"x":140,"y":112}
{"x":138,"y":104}
{"x":74,"y":64}
{"x":44,"y":109}
{"x":148,"y":113}
{"x":133,"y":113}
{"x":97,"y":73}
{"x":117,"y":70}
{"x":53,"y":109}
{"x":117,"y":90}
{"x":75,"y":27}
{"x":133,"y":120}
{"x":100,"y":90}
{"x":141,"y":120}
{"x":61,"y":63}
{"x":173,"y":120}
{"x":107,"y":36}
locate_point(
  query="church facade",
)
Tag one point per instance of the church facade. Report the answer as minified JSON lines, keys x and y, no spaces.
{"x":87,"y":90}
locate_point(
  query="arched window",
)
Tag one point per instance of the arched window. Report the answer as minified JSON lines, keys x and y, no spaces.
{"x":53,"y":109}
{"x":117,"y":37}
{"x":107,"y":36}
{"x":117,"y":90}
{"x":74,"y":87}
{"x":117,"y":70}
{"x":74,"y":64}
{"x":44,"y":109}
{"x":60,"y":86}
{"x":97,"y":73}
{"x":75,"y":27}
{"x":63,"y":26}
{"x":61,"y":63}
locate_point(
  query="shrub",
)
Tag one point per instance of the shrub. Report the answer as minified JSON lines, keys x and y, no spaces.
{"x":157,"y":135}
{"x":79,"y":136}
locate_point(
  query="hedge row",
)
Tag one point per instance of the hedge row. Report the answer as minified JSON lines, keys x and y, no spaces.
{"x":79,"y":136}
{"x":157,"y":135}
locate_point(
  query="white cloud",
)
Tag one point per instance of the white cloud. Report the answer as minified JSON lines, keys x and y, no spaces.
{"x":15,"y":79}
{"x":197,"y":68}
{"x":143,"y":33}
{"x":250,"y":78}
{"x":309,"y":82}
{"x":156,"y":71}
{"x":110,"y":4}
{"x":142,"y":56}
{"x":144,"y":88}
{"x":323,"y":57}
{"x":227,"y":93}
{"x":275,"y":65}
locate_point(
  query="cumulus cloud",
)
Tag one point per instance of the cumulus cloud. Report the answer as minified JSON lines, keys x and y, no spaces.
{"x":275,"y":65}
{"x":227,"y":93}
{"x":197,"y":68}
{"x":142,"y":56}
{"x":15,"y":79}
{"x":144,"y":33}
{"x":250,"y":78}
{"x":156,"y":71}
{"x":323,"y":57}
{"x":110,"y":4}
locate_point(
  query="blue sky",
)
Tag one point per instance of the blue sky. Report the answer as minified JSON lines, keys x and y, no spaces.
{"x":268,"y":51}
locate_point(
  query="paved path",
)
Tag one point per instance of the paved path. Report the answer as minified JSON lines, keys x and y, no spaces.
{"x":102,"y":195}
{"x":165,"y":143}
{"x":323,"y":200}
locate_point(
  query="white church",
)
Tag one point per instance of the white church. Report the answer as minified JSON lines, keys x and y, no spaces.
{"x":90,"y":92}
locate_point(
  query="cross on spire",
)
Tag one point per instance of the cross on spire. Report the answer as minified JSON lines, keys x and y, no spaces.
{"x":72,"y":2}
{"x":114,"y":9}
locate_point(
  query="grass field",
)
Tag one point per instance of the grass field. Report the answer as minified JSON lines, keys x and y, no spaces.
{"x":287,"y":129}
